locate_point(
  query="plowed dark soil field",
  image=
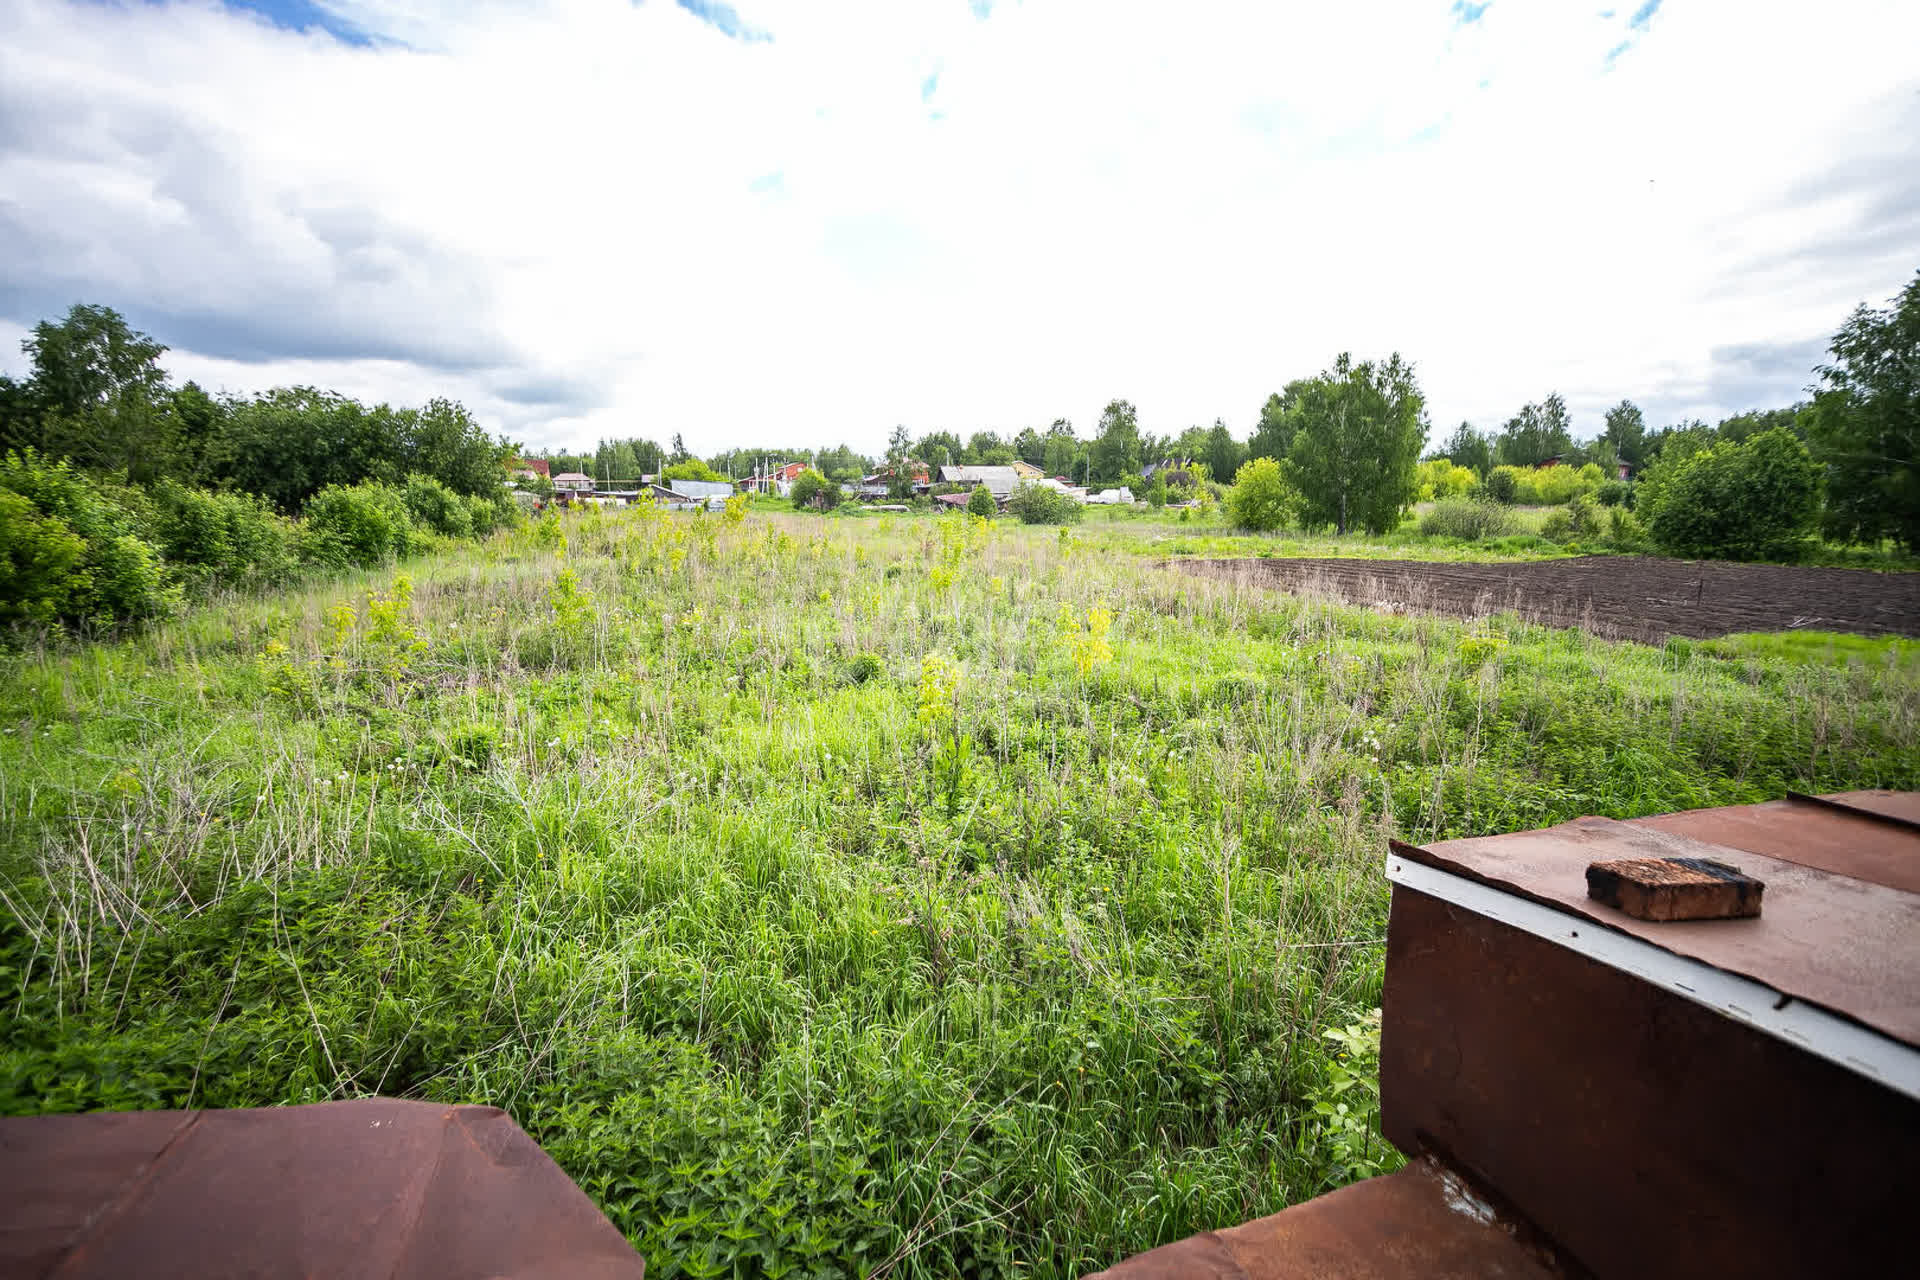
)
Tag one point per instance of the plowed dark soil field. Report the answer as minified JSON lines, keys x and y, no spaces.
{"x":1625,"y":597}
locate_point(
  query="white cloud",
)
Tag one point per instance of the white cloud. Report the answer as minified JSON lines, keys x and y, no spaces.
{"x":652,"y":227}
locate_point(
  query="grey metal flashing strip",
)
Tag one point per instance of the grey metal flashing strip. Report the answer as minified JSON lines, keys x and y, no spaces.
{"x":1807,"y":1027}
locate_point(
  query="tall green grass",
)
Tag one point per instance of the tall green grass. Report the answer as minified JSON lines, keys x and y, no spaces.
{"x":658,"y":831}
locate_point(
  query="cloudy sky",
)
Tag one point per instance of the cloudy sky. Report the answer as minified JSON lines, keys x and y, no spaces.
{"x":808,"y":220}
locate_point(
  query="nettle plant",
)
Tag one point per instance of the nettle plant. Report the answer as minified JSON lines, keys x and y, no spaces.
{"x":1346,"y":1105}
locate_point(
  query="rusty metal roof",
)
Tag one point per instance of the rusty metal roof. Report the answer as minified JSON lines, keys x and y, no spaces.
{"x":1839,"y":928}
{"x":1422,"y":1221}
{"x":377,"y":1187}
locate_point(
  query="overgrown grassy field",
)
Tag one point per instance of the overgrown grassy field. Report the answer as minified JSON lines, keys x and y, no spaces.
{"x":901,"y":896}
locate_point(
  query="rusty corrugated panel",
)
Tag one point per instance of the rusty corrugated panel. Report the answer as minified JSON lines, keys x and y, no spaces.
{"x":1838,"y":942}
{"x":1862,"y":834}
{"x":377,"y":1187}
{"x":1421,"y":1221}
{"x":1645,"y":1134}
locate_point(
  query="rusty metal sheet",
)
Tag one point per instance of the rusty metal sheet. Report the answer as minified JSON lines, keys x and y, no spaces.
{"x":1897,"y":806}
{"x":1861,"y":834}
{"x":1420,"y":1222}
{"x":1644,"y":1134}
{"x":1838,"y":942}
{"x":377,"y":1187}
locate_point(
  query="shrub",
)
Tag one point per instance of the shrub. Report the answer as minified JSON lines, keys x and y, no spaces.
{"x":1544,"y":486}
{"x":129,"y":580}
{"x":811,"y":489}
{"x":1585,"y":517}
{"x":431,"y":505}
{"x":1468,"y":519}
{"x":980,"y":502}
{"x":73,"y":548}
{"x":220,"y":539}
{"x":1043,"y":504}
{"x":487,"y":516}
{"x":1557,"y":527}
{"x":1624,"y":530}
{"x":1757,"y":500}
{"x":1440,"y":479}
{"x":691,"y":469}
{"x":362,"y":525}
{"x":39,"y":557}
{"x":1262,"y":497}
{"x":1614,"y":493}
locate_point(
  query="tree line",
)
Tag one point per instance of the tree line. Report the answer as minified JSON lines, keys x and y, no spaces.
{"x":122,"y":495}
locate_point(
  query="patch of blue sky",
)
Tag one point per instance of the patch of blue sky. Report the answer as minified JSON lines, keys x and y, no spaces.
{"x":928,"y":86}
{"x":981,"y":8}
{"x":1468,"y":12}
{"x":1643,"y":15}
{"x":769,"y":184}
{"x":304,"y":15}
{"x":724,"y":18}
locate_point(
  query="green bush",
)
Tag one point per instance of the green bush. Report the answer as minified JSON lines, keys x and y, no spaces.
{"x":980,"y":502}
{"x":220,"y":539}
{"x":431,"y":505}
{"x":811,"y":490}
{"x":357,"y":526}
{"x":1557,"y":527}
{"x":1043,"y":504}
{"x":1757,"y":500}
{"x":1439,"y":479}
{"x":1585,"y":517}
{"x":1624,"y":530}
{"x":39,"y":558}
{"x":1615,"y":493}
{"x":117,"y":576}
{"x":1544,"y":486}
{"x":691,"y":469}
{"x":1468,"y":519}
{"x":486,"y":516}
{"x":1262,"y":498}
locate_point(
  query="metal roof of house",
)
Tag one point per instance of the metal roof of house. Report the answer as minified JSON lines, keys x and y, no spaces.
{"x":701,"y":488}
{"x":999,"y":480}
{"x":377,"y":1187}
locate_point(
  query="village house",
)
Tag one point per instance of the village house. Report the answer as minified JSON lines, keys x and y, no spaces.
{"x":573,"y":482}
{"x":778,"y":481}
{"x":528,"y":468}
{"x":999,"y":480}
{"x":879,"y":484}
